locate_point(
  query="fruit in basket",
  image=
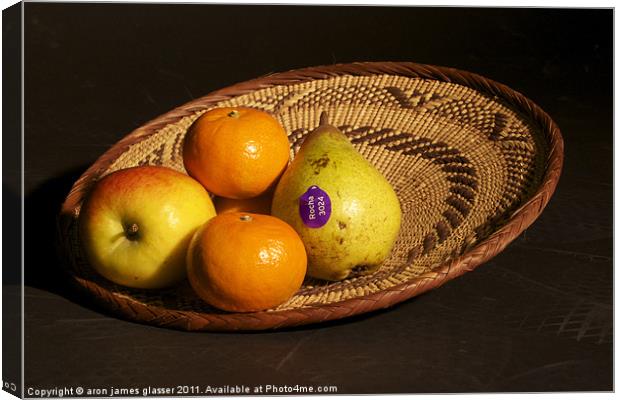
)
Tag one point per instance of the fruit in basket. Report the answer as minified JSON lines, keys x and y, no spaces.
{"x":236,"y":152}
{"x":257,"y":205}
{"x":136,"y":224}
{"x":246,"y":262}
{"x":345,"y":211}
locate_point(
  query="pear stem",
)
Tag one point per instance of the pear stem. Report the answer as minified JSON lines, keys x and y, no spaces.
{"x":323,"y":119}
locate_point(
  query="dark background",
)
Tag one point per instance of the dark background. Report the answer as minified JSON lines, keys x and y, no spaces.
{"x":538,"y":317}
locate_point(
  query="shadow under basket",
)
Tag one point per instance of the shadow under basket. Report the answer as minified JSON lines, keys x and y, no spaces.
{"x":472,"y":161}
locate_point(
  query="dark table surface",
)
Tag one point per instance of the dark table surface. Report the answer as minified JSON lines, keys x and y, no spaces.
{"x":538,"y":317}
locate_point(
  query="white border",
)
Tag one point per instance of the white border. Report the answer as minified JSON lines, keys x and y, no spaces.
{"x":495,"y":3}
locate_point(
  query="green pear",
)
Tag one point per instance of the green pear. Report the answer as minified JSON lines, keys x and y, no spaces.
{"x":344,"y":210}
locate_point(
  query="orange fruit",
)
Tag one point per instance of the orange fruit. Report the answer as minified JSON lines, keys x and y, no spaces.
{"x":236,"y":152}
{"x":257,"y":205}
{"x":246,"y":262}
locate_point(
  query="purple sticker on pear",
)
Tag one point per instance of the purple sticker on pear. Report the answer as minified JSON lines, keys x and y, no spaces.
{"x":315,"y":207}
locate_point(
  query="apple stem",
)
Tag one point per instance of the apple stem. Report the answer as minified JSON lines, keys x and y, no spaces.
{"x":132,"y":231}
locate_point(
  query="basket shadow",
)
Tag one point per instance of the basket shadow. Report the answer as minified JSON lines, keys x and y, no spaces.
{"x":358,"y":318}
{"x":44,"y":267}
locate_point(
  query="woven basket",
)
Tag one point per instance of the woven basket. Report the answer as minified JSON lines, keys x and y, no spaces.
{"x":473,"y":163}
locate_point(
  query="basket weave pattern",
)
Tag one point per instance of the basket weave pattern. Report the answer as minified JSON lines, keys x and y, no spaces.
{"x":472,"y":168}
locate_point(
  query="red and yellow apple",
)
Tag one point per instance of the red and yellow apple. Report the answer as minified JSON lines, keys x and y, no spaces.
{"x":136,"y":225}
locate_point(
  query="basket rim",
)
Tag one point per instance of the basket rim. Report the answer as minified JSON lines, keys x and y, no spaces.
{"x":482,"y":252}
